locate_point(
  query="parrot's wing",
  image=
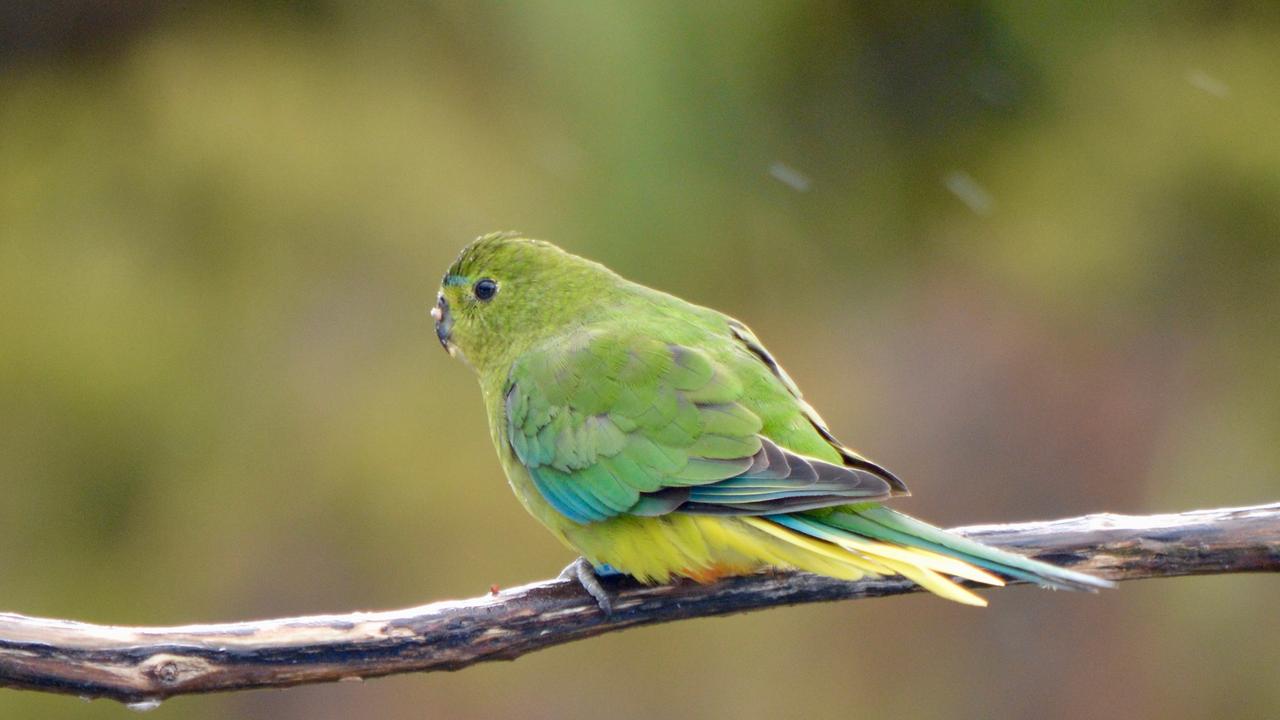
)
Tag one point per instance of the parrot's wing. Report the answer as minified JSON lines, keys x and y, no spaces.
{"x":851,"y":459}
{"x":612,"y":422}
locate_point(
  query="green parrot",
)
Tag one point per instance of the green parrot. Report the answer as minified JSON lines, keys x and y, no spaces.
{"x":660,"y":439}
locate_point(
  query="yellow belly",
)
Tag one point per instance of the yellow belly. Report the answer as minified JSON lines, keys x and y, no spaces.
{"x":701,"y":547}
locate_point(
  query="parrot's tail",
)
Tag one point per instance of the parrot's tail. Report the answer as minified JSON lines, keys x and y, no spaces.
{"x":885,"y":542}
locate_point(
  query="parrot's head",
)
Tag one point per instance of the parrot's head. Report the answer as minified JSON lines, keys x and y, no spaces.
{"x":505,"y":293}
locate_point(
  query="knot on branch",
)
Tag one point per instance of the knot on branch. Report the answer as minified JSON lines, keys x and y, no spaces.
{"x":171,"y":670}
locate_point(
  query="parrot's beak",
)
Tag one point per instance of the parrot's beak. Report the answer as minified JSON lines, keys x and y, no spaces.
{"x":444,"y":321}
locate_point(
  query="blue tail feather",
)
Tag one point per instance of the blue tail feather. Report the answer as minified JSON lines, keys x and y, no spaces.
{"x":884,"y":524}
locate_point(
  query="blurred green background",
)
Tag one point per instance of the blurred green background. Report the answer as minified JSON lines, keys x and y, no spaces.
{"x":1028,"y":258}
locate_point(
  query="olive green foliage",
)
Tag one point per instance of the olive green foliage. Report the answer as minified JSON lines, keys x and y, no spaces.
{"x":1026,"y":258}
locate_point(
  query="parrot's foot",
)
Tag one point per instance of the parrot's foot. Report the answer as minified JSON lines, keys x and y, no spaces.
{"x":586,"y":575}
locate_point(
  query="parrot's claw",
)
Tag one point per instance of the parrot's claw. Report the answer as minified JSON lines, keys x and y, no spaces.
{"x":582,"y":571}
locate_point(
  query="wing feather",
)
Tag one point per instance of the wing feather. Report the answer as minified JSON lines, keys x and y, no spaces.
{"x":614,"y":422}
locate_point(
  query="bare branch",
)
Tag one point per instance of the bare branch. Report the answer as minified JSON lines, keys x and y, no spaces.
{"x":140,"y":665}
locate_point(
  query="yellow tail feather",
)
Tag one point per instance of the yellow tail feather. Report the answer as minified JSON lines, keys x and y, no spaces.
{"x":873,"y":557}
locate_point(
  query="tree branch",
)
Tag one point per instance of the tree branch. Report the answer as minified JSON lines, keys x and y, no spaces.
{"x":144,"y":665}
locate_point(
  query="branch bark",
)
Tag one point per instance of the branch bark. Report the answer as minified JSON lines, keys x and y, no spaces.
{"x":143,"y":665}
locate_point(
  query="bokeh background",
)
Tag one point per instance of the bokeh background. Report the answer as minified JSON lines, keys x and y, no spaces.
{"x":1029,"y":258}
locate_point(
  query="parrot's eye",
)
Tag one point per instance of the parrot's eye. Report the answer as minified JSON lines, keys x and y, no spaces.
{"x":485,"y":289}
